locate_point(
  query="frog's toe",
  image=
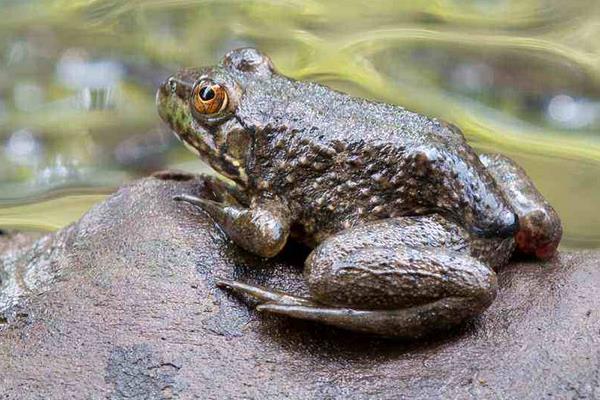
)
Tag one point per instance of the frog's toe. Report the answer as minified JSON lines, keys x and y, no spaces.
{"x":312,"y":312}
{"x":255,"y":292}
{"x":346,"y":318}
{"x":212,"y":207}
{"x":197,"y":201}
{"x":260,"y":294}
{"x":412,"y":322}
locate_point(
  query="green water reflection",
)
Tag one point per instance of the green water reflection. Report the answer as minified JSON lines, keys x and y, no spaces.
{"x":77,"y":82}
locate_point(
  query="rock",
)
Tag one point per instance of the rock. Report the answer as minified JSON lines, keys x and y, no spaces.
{"x":122,"y":305}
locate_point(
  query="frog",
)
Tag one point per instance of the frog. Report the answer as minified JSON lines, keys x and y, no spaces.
{"x":406,"y":223}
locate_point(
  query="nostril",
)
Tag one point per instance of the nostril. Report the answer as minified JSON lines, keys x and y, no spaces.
{"x":172,"y":85}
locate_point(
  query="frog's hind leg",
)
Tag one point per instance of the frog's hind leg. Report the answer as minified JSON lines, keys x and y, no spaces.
{"x":540,"y":229}
{"x":372,"y":280}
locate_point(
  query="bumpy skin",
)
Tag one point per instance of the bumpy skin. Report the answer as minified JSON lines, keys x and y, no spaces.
{"x":407,"y":222}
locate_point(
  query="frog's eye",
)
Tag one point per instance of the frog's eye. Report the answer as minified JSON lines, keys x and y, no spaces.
{"x":209,"y":98}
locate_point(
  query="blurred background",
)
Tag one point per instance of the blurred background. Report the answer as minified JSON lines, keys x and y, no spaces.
{"x":78,"y":77}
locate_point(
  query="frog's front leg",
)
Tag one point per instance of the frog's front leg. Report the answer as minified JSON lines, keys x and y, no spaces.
{"x":223,"y":191}
{"x":262,"y":228}
{"x":381,"y":279}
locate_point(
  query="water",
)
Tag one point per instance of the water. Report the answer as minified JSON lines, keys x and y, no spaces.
{"x":77,"y":83}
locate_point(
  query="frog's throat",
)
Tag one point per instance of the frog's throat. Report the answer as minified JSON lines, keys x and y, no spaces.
{"x":213,"y":154}
{"x":200,"y":141}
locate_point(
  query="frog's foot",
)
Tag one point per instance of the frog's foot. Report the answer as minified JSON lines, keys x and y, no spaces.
{"x":409,"y":322}
{"x":413,"y":322}
{"x":277,"y":302}
{"x":263,"y":296}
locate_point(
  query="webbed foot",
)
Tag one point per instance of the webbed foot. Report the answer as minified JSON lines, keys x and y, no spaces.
{"x":409,"y":322}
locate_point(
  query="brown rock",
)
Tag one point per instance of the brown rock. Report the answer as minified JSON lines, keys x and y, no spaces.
{"x":122,"y":305}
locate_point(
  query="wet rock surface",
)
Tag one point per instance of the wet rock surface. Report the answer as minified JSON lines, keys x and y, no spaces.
{"x":122,"y":305}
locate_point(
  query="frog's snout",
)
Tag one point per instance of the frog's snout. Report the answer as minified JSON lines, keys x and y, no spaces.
{"x":166,"y":89}
{"x":161,"y":94}
{"x":171,"y":99}
{"x":506,"y":226}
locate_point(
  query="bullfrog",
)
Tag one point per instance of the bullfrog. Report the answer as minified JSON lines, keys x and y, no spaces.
{"x":406,"y":222}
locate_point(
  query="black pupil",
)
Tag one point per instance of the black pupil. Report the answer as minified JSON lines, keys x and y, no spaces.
{"x":207,"y":93}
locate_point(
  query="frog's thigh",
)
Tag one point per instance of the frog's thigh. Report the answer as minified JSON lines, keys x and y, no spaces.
{"x":394,"y":291}
{"x":376,"y":277}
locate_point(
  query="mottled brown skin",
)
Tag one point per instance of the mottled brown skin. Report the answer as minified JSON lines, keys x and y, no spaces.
{"x":540,"y":229}
{"x":406,"y":222}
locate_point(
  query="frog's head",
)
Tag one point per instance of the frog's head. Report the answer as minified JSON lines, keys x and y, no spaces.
{"x":199,"y":105}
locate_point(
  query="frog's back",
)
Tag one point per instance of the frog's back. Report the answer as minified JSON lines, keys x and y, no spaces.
{"x":317,"y":113}
{"x":340,"y":160}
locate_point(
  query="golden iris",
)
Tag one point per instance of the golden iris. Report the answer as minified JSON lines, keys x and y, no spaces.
{"x":209,"y":98}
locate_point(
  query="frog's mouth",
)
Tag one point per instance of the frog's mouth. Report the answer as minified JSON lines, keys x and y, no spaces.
{"x":172,"y":110}
{"x":172,"y":99}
